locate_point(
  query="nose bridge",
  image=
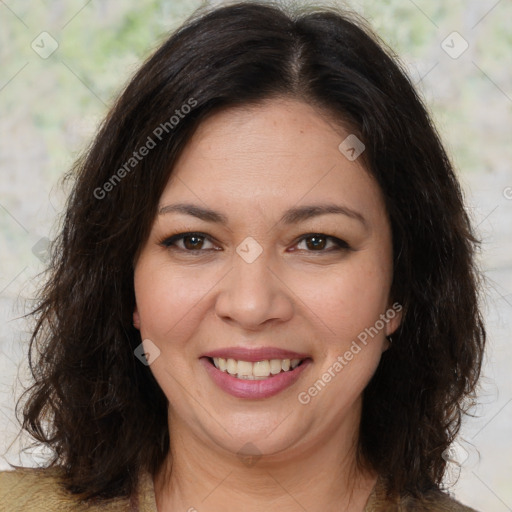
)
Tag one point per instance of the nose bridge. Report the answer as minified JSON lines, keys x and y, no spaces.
{"x":251,"y":267}
{"x":252,"y":294}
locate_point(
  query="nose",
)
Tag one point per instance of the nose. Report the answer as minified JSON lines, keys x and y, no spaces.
{"x":253,"y":294}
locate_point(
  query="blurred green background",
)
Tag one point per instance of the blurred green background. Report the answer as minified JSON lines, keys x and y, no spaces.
{"x":51,"y":105}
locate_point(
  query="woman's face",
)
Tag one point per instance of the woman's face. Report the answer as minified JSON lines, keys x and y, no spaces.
{"x":292,"y":260}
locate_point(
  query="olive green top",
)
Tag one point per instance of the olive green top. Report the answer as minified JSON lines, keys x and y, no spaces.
{"x":39,"y":490}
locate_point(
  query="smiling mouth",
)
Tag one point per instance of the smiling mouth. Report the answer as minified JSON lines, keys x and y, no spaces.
{"x":258,"y":370}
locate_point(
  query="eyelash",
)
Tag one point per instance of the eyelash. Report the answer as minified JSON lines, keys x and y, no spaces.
{"x":169,"y":242}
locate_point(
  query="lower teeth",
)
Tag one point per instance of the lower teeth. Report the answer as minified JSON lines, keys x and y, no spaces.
{"x":252,"y":377}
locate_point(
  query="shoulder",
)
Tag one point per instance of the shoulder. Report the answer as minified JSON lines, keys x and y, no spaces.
{"x":41,"y":490}
{"x":31,"y":489}
{"x":434,"y":500}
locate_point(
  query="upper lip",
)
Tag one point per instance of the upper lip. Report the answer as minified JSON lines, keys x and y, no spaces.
{"x":255,"y":354}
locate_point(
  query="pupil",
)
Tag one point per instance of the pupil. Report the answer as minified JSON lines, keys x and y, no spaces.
{"x":317,"y":244}
{"x":192,"y":245}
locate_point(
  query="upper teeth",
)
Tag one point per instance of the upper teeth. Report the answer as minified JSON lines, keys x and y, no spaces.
{"x":254,"y":371}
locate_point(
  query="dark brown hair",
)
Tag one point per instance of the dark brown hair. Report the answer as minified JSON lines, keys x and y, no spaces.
{"x":95,"y":404}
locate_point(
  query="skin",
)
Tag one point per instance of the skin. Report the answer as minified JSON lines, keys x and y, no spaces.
{"x":251,"y":165}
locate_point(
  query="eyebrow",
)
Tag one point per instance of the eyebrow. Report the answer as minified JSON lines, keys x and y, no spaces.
{"x":291,"y":216}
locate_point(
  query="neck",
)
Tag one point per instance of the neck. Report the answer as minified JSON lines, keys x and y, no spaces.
{"x":204,"y":477}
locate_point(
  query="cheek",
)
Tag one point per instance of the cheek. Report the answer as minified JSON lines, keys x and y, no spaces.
{"x":168,"y":300}
{"x":349,"y":298}
{"x":350,"y":306}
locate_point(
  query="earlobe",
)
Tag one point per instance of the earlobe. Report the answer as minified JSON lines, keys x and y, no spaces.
{"x":136,"y":318}
{"x":394,"y":315}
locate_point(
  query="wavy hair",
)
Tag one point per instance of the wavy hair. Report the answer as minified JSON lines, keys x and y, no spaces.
{"x":95,"y":405}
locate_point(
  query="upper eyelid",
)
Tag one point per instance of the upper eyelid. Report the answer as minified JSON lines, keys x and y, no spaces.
{"x":167,"y":241}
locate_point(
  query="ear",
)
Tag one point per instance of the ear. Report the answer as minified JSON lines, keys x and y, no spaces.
{"x":394,"y":319}
{"x":394,"y":316}
{"x":136,"y":318}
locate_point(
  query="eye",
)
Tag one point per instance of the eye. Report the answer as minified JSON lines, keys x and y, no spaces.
{"x":195,"y":242}
{"x":317,"y":242}
{"x":191,"y":242}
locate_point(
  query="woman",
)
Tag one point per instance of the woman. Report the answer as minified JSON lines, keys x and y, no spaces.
{"x":264,"y":294}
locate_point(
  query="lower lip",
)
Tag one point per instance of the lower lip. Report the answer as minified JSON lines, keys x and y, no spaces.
{"x":264,"y":388}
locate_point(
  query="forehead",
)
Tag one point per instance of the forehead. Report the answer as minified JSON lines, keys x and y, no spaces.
{"x":276,"y":154}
